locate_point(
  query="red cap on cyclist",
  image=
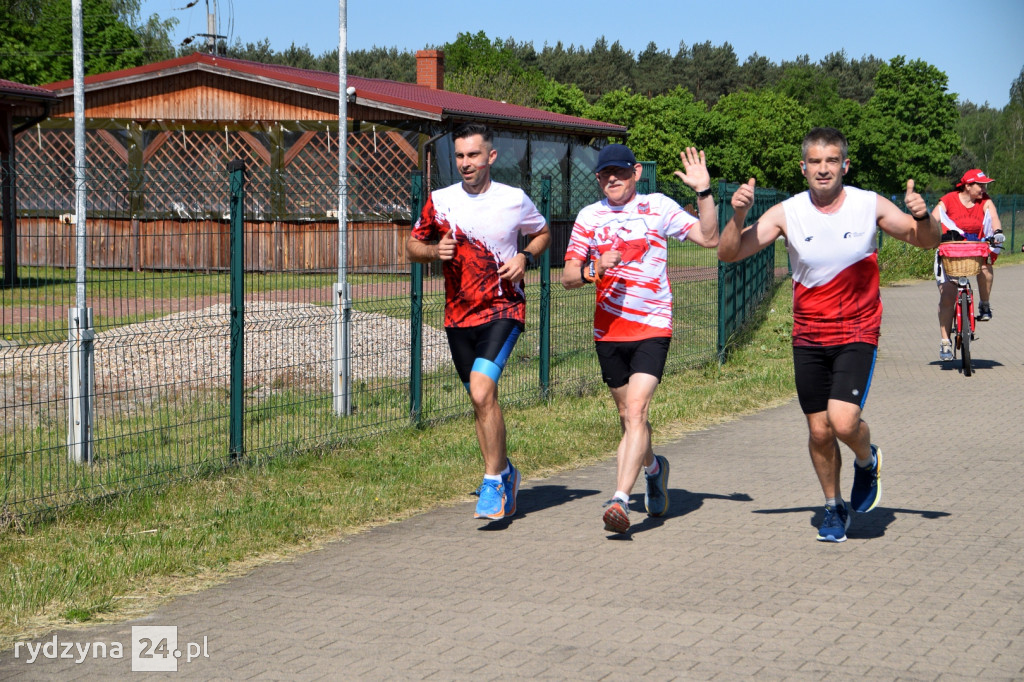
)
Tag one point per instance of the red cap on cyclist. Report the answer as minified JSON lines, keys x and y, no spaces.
{"x":974,"y":175}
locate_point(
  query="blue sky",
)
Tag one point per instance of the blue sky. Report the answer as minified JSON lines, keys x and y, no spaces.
{"x":978,"y":45}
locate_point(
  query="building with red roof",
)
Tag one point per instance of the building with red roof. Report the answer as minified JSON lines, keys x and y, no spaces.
{"x":153,"y":127}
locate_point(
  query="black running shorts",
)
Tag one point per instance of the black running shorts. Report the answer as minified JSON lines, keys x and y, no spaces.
{"x":826,"y":373}
{"x":485,"y":348}
{"x":622,"y":359}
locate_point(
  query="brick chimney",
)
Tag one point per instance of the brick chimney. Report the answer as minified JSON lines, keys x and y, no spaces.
{"x":430,"y":69}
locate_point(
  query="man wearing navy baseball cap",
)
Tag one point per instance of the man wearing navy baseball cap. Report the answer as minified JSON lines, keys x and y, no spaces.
{"x":615,"y":155}
{"x":620,"y":244}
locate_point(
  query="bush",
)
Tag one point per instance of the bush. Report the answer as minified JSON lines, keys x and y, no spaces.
{"x":898,"y":260}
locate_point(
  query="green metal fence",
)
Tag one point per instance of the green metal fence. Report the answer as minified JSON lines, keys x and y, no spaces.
{"x":214,"y":327}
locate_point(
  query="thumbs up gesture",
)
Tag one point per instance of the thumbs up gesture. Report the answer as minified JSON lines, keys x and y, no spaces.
{"x":915,"y":202}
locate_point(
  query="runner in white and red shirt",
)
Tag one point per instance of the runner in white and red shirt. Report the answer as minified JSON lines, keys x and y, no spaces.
{"x":473,"y":227}
{"x":830,"y":232}
{"x":620,"y":244}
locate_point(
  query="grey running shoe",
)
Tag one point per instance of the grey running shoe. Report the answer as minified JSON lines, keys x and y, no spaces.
{"x":616,"y":516}
{"x":656,"y":498}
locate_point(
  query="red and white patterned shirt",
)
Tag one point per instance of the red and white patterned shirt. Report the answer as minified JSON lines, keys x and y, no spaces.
{"x":634,"y":299}
{"x":486,"y":228}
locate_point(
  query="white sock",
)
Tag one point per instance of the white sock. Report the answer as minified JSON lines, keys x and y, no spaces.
{"x":870,"y":462}
{"x":622,"y":497}
{"x":508,"y":468}
{"x":492,"y":477}
{"x":653,"y":469}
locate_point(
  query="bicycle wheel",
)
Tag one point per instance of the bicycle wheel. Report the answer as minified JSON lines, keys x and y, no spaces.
{"x":965,"y":332}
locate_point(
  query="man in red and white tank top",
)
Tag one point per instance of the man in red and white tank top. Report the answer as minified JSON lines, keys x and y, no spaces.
{"x":967,"y":213}
{"x":621,"y":245}
{"x":830,"y":232}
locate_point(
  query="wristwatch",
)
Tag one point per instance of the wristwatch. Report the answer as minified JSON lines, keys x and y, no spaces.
{"x":530,"y":260}
{"x":704,"y":193}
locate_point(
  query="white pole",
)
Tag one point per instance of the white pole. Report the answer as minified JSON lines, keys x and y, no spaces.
{"x":342,"y":380}
{"x":80,"y":331}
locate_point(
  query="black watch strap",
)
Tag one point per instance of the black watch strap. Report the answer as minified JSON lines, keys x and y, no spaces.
{"x":704,"y":193}
{"x":530,"y":259}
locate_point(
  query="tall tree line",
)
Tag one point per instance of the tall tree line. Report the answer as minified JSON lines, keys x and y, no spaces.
{"x":750,"y":116}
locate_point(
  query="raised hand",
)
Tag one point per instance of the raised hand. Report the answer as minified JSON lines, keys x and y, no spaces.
{"x":695,"y":170}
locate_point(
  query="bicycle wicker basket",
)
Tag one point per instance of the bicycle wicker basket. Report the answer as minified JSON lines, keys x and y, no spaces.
{"x":963,"y":259}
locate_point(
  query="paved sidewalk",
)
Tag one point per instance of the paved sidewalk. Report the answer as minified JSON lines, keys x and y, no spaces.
{"x":730,"y":585}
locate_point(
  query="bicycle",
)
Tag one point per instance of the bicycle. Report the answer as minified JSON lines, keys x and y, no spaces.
{"x":963,"y":259}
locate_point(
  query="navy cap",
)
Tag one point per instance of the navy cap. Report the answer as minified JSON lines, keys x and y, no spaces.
{"x":617,"y":155}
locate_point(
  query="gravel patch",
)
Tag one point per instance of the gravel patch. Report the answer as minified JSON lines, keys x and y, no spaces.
{"x":287,"y":346}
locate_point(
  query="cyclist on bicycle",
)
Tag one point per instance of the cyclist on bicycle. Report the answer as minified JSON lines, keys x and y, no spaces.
{"x":966,"y":213}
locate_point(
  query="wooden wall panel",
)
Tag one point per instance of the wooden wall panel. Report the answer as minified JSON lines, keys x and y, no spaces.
{"x":203,"y":246}
{"x":204,"y":96}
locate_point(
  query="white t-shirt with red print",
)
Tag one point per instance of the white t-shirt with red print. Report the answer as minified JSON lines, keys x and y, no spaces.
{"x":486,"y":229}
{"x":634,"y":299}
{"x":834,"y":256}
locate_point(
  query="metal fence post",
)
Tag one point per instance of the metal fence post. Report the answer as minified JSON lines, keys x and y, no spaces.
{"x":545,"y":294}
{"x":236,"y":447}
{"x":416,"y":310}
{"x":722,"y":267}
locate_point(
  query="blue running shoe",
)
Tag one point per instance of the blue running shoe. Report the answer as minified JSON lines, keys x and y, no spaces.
{"x":492,"y":500}
{"x":833,"y":528}
{"x":656,"y":498}
{"x":616,"y":516}
{"x":511,"y":483}
{"x":867,"y":485}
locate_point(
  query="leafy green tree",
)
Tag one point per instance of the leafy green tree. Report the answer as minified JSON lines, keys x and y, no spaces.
{"x":604,"y":69}
{"x":654,"y":71}
{"x":708,"y":71}
{"x":759,"y":134}
{"x":758,"y":72}
{"x":660,"y":127}
{"x":564,"y":99}
{"x":1008,"y":158}
{"x":908,"y":128}
{"x":476,"y":65}
{"x":978,"y":128}
{"x":36,"y":38}
{"x":855,"y":78}
{"x":381,"y":62}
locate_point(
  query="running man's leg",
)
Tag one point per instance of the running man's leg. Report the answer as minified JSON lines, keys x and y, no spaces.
{"x":825,"y":456}
{"x":633,"y":402}
{"x":852,"y":369}
{"x":489,"y":421}
{"x":480,"y":354}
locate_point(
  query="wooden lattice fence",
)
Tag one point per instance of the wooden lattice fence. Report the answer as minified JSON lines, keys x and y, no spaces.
{"x":158,"y":195}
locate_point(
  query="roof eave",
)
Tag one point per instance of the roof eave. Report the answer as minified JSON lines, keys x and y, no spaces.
{"x":596,"y":129}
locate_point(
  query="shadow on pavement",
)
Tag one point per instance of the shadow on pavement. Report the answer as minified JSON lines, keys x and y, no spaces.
{"x":538,"y":498}
{"x":869,"y":525}
{"x":681,"y":502}
{"x":951,"y":365}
